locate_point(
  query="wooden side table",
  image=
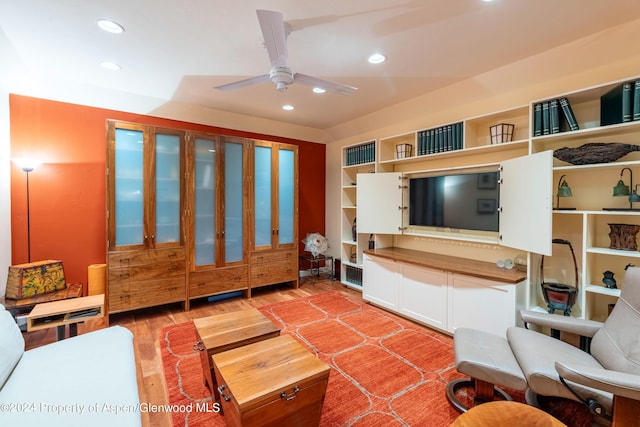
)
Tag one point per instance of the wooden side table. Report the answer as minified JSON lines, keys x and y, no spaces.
{"x":65,"y":312}
{"x":226,"y":331}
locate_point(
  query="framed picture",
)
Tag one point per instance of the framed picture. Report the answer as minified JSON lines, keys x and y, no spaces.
{"x":487,"y":181}
{"x":487,"y":206}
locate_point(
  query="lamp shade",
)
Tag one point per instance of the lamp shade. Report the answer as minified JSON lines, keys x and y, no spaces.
{"x":620,"y":189}
{"x":634,"y":197}
{"x":27,"y":164}
{"x":502,"y":132}
{"x":564,"y":190}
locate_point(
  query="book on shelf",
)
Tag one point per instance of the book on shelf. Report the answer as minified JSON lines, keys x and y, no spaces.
{"x":616,"y":106}
{"x":636,"y":100}
{"x":547,"y":118}
{"x":554,"y":116}
{"x":568,"y":114}
{"x":363,"y":153}
{"x":537,"y":119}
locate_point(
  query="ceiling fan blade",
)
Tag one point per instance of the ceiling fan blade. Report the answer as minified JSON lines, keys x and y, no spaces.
{"x":324,"y":84}
{"x":243,"y":83}
{"x":275,"y":36}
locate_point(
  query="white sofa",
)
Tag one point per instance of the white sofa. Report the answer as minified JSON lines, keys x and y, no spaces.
{"x":88,"y":380}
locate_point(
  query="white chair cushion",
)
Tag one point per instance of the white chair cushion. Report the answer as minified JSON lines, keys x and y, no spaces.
{"x":11,"y":344}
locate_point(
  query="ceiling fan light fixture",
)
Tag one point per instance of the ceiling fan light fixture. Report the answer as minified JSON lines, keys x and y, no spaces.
{"x":110,"y":26}
{"x":319,"y":90}
{"x":377,"y":58}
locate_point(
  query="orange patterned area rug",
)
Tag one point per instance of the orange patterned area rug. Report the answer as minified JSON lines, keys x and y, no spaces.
{"x":385,"y":371}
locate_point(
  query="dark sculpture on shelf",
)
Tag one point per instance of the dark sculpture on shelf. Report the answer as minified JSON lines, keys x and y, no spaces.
{"x":608,"y":280}
{"x":623,"y":236}
{"x":595,"y":152}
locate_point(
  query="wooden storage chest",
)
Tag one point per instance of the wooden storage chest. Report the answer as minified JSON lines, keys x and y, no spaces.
{"x":222,"y":332}
{"x":276,"y":382}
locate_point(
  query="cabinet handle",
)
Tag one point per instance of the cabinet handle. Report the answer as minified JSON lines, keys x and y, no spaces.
{"x":402,"y":187}
{"x":260,"y":258}
{"x":260,"y":275}
{"x":172,"y":268}
{"x":222,"y":234}
{"x":125,"y":260}
{"x":124,"y":275}
{"x":401,"y":208}
{"x":291,"y":396}
{"x":200,"y":284}
{"x":172,"y":255}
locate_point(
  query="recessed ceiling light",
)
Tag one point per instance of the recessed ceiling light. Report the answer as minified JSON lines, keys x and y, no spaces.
{"x":110,"y":65}
{"x":377,"y":58}
{"x":110,"y":26}
{"x":319,"y":90}
{"x":287,"y":107}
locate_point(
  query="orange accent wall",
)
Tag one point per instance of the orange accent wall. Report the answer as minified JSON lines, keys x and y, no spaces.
{"x":67,"y":192}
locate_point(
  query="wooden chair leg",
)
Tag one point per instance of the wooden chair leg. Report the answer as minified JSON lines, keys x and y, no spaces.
{"x":484,"y":391}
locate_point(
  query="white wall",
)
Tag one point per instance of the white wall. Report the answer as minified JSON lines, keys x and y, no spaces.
{"x":591,"y":61}
{"x":5,"y":193}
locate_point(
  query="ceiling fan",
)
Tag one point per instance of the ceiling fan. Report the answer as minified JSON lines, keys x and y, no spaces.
{"x":275,"y":32}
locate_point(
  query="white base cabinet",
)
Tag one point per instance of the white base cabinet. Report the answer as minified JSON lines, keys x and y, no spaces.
{"x":441,"y":299}
{"x":382,"y":278}
{"x":423,"y":295}
{"x":484,"y":304}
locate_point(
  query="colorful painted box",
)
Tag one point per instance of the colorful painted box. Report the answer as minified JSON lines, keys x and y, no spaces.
{"x":27,"y":280}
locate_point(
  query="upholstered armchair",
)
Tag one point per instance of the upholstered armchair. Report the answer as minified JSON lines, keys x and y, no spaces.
{"x":604,"y":374}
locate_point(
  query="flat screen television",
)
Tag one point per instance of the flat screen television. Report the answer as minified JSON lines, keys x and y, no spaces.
{"x":466,"y":201}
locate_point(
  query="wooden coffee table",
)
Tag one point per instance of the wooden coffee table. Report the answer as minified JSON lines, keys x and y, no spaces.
{"x":223,"y":332}
{"x":65,"y":312}
{"x":275,"y":382}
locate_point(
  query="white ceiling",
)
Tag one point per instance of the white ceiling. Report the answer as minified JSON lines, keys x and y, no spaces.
{"x":180,"y":50}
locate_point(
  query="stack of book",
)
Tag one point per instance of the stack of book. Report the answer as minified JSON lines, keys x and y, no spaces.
{"x":440,"y":139}
{"x":547,"y":118}
{"x":621,"y":104}
{"x":354,"y":275}
{"x":363,"y":153}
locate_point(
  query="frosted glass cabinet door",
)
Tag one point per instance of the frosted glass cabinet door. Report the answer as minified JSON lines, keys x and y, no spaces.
{"x":205,"y":205}
{"x":167,"y":150}
{"x":262,"y":198}
{"x":286,"y":195}
{"x":233,"y":202}
{"x":129,"y":188}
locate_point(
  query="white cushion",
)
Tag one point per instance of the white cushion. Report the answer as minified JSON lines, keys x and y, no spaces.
{"x":11,"y":344}
{"x":88,"y":380}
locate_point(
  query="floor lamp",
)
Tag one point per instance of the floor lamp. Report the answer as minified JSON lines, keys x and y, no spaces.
{"x":28,"y":165}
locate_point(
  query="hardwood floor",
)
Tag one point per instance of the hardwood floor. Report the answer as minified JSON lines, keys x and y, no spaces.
{"x":146,"y":324}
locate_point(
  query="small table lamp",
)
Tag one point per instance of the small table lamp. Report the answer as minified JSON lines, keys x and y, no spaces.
{"x":563,"y":191}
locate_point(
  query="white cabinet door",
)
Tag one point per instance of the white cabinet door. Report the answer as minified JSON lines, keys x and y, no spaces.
{"x":380,"y":282}
{"x":526,"y":203}
{"x":481,"y":304}
{"x":379,"y":203}
{"x":423,"y":295}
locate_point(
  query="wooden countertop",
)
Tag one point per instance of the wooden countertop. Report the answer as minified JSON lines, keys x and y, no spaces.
{"x":470,"y":267}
